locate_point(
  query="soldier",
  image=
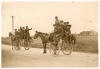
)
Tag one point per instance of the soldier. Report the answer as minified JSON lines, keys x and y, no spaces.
{"x":23,"y":32}
{"x":16,"y":34}
{"x":20,"y":33}
{"x":56,"y":25}
{"x":68,"y":28}
{"x":61,"y":22}
{"x":56,"y":19}
{"x":27,"y":34}
{"x":57,"y":30}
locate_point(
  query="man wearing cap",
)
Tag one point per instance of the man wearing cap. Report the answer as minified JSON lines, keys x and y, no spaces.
{"x":56,"y":19}
{"x":27,"y":34}
{"x":57,"y":30}
{"x":23,"y":32}
{"x":20,"y":32}
{"x":16,"y":34}
{"x":56,"y":25}
{"x":67,"y":27}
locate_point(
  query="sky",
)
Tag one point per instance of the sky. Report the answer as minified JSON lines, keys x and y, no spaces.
{"x":40,"y":16}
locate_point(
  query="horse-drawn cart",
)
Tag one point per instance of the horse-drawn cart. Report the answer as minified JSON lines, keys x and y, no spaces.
{"x":18,"y":43}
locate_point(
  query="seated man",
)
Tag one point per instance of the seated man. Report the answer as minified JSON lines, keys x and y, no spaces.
{"x":66,"y":30}
{"x":16,"y":34}
{"x":67,"y":27}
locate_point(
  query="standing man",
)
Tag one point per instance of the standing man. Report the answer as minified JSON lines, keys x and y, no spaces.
{"x":27,"y":34}
{"x":56,"y":25}
{"x":20,"y":32}
{"x":57,"y":30}
{"x":56,"y":19}
{"x":23,"y":32}
{"x":16,"y":34}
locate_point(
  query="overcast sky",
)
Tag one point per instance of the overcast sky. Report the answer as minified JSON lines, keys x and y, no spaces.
{"x":40,"y":15}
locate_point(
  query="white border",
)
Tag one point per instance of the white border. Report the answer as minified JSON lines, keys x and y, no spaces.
{"x":52,"y":0}
{"x":0,"y":33}
{"x":49,"y":0}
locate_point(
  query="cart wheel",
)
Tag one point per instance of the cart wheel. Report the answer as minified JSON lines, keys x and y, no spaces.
{"x":26,"y":48}
{"x":16,"y":46}
{"x":54,"y":50}
{"x":26,"y":45}
{"x":66,"y":48}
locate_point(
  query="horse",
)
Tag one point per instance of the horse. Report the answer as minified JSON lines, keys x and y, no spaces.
{"x":44,"y":37}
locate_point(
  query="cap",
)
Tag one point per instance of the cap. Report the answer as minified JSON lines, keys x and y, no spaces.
{"x":26,"y":26}
{"x":56,"y":16}
{"x":67,"y":22}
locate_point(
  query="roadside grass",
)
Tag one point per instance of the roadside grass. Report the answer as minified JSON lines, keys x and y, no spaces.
{"x":83,"y":44}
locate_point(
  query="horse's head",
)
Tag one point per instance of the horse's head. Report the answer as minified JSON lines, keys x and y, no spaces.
{"x":36,"y":34}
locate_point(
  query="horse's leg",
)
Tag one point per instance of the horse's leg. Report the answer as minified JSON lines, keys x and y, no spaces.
{"x":74,"y":40}
{"x":45,"y":48}
{"x":19,"y":44}
{"x":12,"y":44}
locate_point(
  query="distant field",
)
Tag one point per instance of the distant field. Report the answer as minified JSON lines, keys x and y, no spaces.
{"x":87,"y":44}
{"x":84,"y":43}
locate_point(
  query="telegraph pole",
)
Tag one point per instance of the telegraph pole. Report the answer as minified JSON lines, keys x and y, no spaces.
{"x":12,"y":24}
{"x":12,"y":29}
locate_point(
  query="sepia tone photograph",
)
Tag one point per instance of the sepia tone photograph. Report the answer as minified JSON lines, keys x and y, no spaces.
{"x":43,"y":34}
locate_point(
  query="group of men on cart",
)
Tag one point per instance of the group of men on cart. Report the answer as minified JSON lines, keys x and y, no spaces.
{"x":61,"y":28}
{"x":22,"y":33}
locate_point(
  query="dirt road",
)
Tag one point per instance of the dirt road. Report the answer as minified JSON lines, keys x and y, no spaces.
{"x":35,"y":58}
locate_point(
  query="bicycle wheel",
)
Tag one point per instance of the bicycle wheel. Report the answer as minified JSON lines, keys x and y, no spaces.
{"x":16,"y":46}
{"x":26,"y":45}
{"x":66,"y":48}
{"x":54,"y":50}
